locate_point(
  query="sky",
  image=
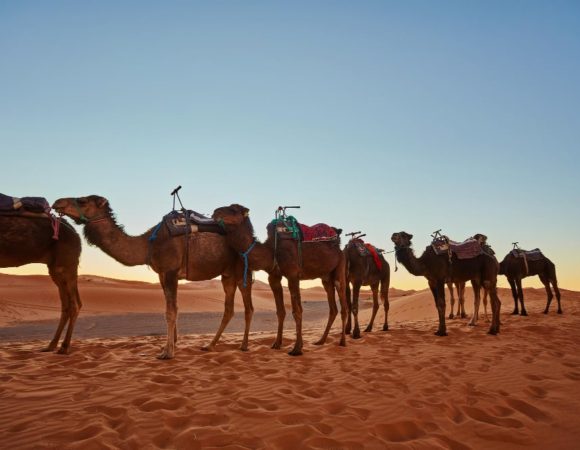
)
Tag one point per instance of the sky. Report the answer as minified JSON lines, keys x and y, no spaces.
{"x":377,"y":116}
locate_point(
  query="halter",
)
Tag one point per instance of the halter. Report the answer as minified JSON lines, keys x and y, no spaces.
{"x":84,"y":219}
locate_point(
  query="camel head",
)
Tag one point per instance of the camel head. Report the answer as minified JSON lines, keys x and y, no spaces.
{"x":481,"y":238}
{"x":231,"y":215}
{"x":401,"y":239}
{"x":83,"y":209}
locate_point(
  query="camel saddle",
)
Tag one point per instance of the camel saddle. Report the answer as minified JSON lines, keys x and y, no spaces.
{"x":360,"y":246}
{"x":184,"y":222}
{"x":23,"y":206}
{"x":470,"y":248}
{"x":289,"y":228}
{"x":531,"y":255}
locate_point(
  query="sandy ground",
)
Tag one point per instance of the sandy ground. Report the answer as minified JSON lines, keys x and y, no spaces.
{"x":404,"y":388}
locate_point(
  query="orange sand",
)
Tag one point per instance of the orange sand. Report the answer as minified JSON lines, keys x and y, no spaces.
{"x":402,"y":389}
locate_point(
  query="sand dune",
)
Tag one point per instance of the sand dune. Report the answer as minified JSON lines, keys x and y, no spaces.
{"x":405,"y":388}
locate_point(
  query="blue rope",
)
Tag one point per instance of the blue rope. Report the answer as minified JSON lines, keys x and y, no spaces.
{"x":245,"y":256}
{"x":155,"y":231}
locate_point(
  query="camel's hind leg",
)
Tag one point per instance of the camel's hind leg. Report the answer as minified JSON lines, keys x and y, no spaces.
{"x":375,"y":291}
{"x":353,"y":307}
{"x":385,"y":283}
{"x":495,"y":306}
{"x":333,"y":310}
{"x":349,"y":303}
{"x":485,"y":293}
{"x":66,"y":281}
{"x":229,"y":286}
{"x":438,"y":290}
{"x":275,"y":282}
{"x":461,"y":300}
{"x":452,"y":298}
{"x":523,"y":311}
{"x":514,"y":289}
{"x":476,"y":299}
{"x":169,"y":284}
{"x":294,"y":287}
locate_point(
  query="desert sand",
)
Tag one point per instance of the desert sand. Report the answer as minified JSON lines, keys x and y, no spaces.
{"x":404,"y":388}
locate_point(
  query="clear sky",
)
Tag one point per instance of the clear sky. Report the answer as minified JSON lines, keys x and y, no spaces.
{"x":372,"y":115}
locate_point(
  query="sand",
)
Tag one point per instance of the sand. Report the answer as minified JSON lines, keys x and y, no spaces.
{"x":404,"y":388}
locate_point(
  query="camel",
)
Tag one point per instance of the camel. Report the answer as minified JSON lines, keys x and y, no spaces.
{"x":283,"y":257}
{"x":363,"y":271}
{"x":209,"y":256}
{"x":481,"y":270}
{"x":28,"y":238}
{"x":517,"y":268}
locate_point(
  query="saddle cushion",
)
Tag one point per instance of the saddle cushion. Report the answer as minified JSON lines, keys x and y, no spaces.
{"x":376,"y":258}
{"x":361,"y":247}
{"x":30,"y":204}
{"x":318,"y":232}
{"x":531,"y":255}
{"x":177,"y":222}
{"x":470,"y":248}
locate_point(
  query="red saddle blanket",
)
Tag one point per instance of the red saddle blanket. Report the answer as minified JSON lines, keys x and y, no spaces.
{"x":318,"y":232}
{"x":375,"y":256}
{"x":467,"y":249}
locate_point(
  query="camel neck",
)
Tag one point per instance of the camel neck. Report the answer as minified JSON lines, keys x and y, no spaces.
{"x":241,"y":238}
{"x":407,"y":258}
{"x":112,"y":239}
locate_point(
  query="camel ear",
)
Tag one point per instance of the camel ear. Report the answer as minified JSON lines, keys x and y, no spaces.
{"x":241,"y":209}
{"x":102,"y":202}
{"x":409,"y":236}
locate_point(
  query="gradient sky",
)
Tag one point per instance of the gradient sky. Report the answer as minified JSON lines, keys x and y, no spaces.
{"x":372,"y":115}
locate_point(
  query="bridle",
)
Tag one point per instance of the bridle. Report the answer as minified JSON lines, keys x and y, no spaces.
{"x":83,"y":218}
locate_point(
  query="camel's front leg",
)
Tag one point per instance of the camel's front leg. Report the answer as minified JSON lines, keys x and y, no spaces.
{"x":294,"y":287}
{"x":169,"y":284}
{"x":275,"y":282}
{"x":375,"y":291}
{"x":333,"y":310}
{"x":476,"y":300}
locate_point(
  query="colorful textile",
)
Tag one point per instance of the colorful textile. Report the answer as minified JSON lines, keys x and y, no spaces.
{"x":375,"y":256}
{"x":531,"y":255}
{"x":318,"y":232}
{"x":467,"y":249}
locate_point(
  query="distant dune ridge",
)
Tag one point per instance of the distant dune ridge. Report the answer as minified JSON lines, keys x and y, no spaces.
{"x":404,"y":388}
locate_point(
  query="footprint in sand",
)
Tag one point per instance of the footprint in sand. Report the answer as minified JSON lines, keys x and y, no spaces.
{"x":483,"y":416}
{"x":402,"y":431}
{"x":171,"y":404}
{"x":536,"y":391}
{"x":526,"y":409}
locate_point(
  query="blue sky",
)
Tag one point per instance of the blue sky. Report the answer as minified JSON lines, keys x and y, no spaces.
{"x":375,"y":116}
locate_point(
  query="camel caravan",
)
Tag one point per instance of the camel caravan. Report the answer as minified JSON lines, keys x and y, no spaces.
{"x":187,"y":245}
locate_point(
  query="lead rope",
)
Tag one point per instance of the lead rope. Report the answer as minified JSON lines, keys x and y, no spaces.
{"x":244,"y":255}
{"x":395,"y":252}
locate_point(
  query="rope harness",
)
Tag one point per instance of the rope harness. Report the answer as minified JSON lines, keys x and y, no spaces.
{"x":244,"y":255}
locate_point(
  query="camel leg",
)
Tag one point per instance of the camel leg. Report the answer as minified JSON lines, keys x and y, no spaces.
{"x":355,"y":295}
{"x":557,"y":291}
{"x":341,"y":282}
{"x":523,"y":311}
{"x":333,"y":310}
{"x":375,"y":291}
{"x":169,"y":284}
{"x":476,"y":299}
{"x":229,"y":286}
{"x":514,"y":289}
{"x":452,"y":299}
{"x":485,"y":305}
{"x":248,"y":312}
{"x":490,"y":286}
{"x":461,"y":297}
{"x":546,"y":283}
{"x":70,"y":307}
{"x":349,"y":303}
{"x":294,"y":287}
{"x":438,"y":290}
{"x":385,"y":298}
{"x":275,"y":282}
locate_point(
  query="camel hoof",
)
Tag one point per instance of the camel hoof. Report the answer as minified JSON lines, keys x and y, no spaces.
{"x":207,"y":348}
{"x":295,"y":352}
{"x":165,"y":355}
{"x":545,"y":311}
{"x":368,"y":329}
{"x":385,"y":328}
{"x":440,"y":333}
{"x":62,"y":351}
{"x":451,"y":316}
{"x":244,"y":349}
{"x":471,"y":324}
{"x":493,"y":332}
{"x":560,"y":311}
{"x":47,"y":349}
{"x":464,"y":316}
{"x":524,"y":313}
{"x":347,"y":331}
{"x":320,"y":342}
{"x":342,"y":343}
{"x":515,"y":313}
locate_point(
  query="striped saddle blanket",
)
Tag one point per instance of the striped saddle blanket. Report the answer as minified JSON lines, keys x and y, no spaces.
{"x":531,"y":255}
{"x":467,"y":249}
